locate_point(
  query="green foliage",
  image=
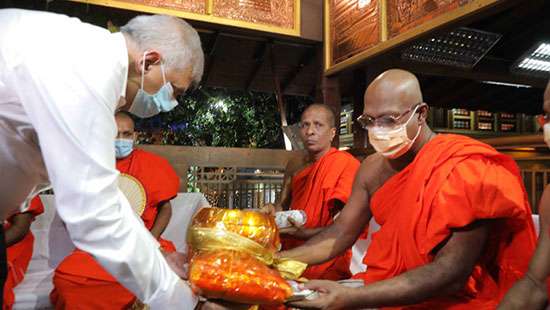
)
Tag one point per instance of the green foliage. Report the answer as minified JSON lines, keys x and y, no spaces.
{"x":219,"y":117}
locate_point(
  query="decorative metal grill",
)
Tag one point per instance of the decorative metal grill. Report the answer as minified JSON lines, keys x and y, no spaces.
{"x":236,"y":188}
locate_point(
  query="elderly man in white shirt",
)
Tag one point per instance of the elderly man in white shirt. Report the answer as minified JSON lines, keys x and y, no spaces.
{"x":61,"y":82}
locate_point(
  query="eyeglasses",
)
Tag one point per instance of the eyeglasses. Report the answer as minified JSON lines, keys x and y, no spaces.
{"x":386,"y":121}
{"x":543,"y":119}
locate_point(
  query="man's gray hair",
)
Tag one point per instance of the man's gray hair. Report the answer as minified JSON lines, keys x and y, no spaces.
{"x":175,"y":39}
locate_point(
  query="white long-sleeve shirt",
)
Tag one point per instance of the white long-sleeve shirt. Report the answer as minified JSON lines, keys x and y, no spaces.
{"x":60,"y":81}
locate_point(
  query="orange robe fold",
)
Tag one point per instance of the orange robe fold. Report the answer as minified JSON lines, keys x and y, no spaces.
{"x":79,"y":281}
{"x":315,"y":190}
{"x":453,"y":182}
{"x":19,"y":255}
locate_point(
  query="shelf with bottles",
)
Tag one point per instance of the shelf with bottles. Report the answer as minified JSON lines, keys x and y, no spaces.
{"x":461,"y":119}
{"x":485,"y":120}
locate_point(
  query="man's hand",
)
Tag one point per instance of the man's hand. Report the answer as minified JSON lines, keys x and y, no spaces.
{"x":178,"y":262}
{"x":525,"y":294}
{"x":332,"y":295}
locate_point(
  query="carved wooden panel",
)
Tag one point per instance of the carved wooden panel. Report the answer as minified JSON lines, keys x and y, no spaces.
{"x":276,"y":13}
{"x":192,"y":6}
{"x":355,"y":27}
{"x":407,"y":14}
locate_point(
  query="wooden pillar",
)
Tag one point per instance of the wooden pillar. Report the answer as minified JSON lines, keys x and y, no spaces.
{"x":331,"y":96}
{"x":359,"y":134}
{"x":279,"y":96}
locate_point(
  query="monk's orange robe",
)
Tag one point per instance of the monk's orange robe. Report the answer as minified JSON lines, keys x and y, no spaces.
{"x":79,"y":281}
{"x":454,"y":181}
{"x":19,"y":255}
{"x":315,"y":190}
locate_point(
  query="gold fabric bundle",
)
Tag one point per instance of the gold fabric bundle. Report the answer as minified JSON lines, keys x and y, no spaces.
{"x":232,"y":250}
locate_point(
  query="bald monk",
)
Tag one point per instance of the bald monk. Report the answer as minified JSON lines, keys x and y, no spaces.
{"x":456,"y":228}
{"x":318,"y":182}
{"x":79,"y":281}
{"x":531,"y":292}
{"x":20,"y":242}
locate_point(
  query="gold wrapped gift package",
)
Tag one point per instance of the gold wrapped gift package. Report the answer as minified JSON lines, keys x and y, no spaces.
{"x":233,"y":255}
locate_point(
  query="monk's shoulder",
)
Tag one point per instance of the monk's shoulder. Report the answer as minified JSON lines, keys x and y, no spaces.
{"x":372,"y":168}
{"x":155,"y":160}
{"x":346,"y":157}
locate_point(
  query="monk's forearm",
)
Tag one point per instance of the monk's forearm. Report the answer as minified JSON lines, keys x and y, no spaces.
{"x":163,"y":218}
{"x":327,"y":244}
{"x":539,"y":268}
{"x":411,"y":287}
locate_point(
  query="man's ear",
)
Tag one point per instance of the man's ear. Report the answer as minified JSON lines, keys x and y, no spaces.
{"x":152,"y":57}
{"x":423,"y":114}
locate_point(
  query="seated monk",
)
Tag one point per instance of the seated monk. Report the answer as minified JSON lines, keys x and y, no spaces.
{"x":456,"y":229}
{"x":318,"y":182}
{"x":19,"y":243}
{"x":531,"y":292}
{"x":79,"y":281}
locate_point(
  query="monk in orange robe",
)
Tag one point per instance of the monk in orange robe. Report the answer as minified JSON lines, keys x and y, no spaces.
{"x":455,"y":224}
{"x":532,"y":291}
{"x":318,"y":182}
{"x":79,"y":281}
{"x":20,"y":241}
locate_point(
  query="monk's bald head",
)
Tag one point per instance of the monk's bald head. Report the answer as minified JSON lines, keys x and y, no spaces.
{"x":323,"y":109}
{"x":392,"y":92}
{"x":125,"y":125}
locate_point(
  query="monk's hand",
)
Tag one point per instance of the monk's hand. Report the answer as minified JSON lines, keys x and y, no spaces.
{"x":269,"y":208}
{"x":295,"y":230}
{"x":178,"y":262}
{"x":527,"y":293}
{"x":331,"y":296}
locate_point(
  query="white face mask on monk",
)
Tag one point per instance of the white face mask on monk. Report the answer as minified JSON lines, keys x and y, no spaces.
{"x":393,"y":142}
{"x":546,"y":130}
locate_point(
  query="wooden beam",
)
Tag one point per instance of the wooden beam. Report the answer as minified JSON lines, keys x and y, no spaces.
{"x":307,"y":58}
{"x":259,"y":56}
{"x":516,"y":141}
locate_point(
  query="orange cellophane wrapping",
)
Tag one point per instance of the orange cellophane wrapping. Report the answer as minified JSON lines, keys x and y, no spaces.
{"x":255,"y":226}
{"x":232,"y":251}
{"x":238,"y":277}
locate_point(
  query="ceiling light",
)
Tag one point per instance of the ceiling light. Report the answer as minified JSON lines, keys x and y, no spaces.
{"x":506,"y":84}
{"x":462,"y":47}
{"x":535,"y":62}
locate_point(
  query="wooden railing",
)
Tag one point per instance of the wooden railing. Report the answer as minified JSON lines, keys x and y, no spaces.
{"x":229,"y":177}
{"x":250,"y":178}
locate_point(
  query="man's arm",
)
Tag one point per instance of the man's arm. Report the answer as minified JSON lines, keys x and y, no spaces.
{"x":341,"y":235}
{"x":447,"y":274}
{"x":19,"y":228}
{"x":163,"y":218}
{"x":76,"y":130}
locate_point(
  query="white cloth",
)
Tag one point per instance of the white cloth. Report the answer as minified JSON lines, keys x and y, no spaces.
{"x":60,"y":81}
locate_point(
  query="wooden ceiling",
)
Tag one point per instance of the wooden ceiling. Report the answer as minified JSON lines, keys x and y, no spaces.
{"x":522,"y":24}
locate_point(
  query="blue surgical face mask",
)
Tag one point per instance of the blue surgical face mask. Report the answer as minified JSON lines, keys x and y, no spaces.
{"x":146,"y":105}
{"x":123,"y":147}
